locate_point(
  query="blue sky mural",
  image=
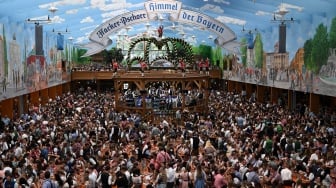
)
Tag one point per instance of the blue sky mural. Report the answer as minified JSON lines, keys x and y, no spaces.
{"x":78,"y":18}
{"x":79,"y":21}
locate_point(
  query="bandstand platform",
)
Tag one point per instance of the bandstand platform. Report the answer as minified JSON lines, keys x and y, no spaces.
{"x":151,"y":108}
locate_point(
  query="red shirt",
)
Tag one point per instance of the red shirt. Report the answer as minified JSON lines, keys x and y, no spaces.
{"x":143,"y":65}
{"x":219,"y":181}
{"x":115,"y":65}
{"x":182,"y":64}
{"x":206,"y":64}
{"x":200,"y":64}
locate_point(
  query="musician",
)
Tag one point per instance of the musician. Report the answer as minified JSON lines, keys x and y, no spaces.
{"x":143,"y":67}
{"x":160,"y":31}
{"x":206,"y":66}
{"x":182,"y":66}
{"x":200,"y":66}
{"x":115,"y":67}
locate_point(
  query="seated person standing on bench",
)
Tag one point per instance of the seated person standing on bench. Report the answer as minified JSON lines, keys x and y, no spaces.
{"x":182,"y":66}
{"x":143,"y":66}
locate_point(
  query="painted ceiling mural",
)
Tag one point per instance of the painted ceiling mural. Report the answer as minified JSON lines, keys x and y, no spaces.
{"x":254,"y":23}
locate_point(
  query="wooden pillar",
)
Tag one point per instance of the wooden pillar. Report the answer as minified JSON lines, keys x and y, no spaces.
{"x":98,"y":85}
{"x":207,"y":93}
{"x":183,"y":94}
{"x":26,"y":100}
{"x":291,"y":99}
{"x":44,"y":96}
{"x":314,"y":102}
{"x":117,"y":85}
{"x":34,"y":98}
{"x":275,"y":95}
{"x":52,"y":92}
{"x":16,"y":108}
{"x":260,"y":93}
{"x":231,"y":86}
{"x":66,"y":87}
{"x":6,"y":108}
{"x":248,"y":89}
{"x":59,"y":91}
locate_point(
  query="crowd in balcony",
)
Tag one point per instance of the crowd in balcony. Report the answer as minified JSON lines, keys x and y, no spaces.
{"x":80,"y":140}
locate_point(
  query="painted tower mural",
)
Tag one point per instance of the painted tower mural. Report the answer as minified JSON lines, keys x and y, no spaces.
{"x":312,"y":69}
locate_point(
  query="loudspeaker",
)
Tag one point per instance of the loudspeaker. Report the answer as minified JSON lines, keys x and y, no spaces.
{"x":282,"y":38}
{"x":39,"y":39}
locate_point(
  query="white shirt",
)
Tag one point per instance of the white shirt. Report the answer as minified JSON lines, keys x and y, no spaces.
{"x":313,"y":156}
{"x":170,"y":174}
{"x":286,"y":174}
{"x":93,"y":176}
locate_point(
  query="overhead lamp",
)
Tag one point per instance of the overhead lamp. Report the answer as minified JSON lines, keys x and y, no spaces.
{"x":282,"y":12}
{"x":61,"y":32}
{"x":39,"y":21}
{"x":52,"y":9}
{"x":250,"y":31}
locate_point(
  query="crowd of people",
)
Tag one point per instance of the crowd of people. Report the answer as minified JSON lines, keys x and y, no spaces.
{"x":80,"y":140}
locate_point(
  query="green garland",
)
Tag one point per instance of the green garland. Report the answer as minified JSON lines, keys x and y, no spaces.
{"x":171,"y":53}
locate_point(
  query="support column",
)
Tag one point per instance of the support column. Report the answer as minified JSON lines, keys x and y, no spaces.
{"x":239,"y":87}
{"x":260,"y":93}
{"x":52,"y":92}
{"x":34,"y":98}
{"x":291,"y":99}
{"x":98,"y":85}
{"x":59,"y":90}
{"x":230,"y":86}
{"x":249,"y":90}
{"x":44,"y":95}
{"x":6,"y":108}
{"x":314,"y":102}
{"x":66,"y":87}
{"x":275,"y":95}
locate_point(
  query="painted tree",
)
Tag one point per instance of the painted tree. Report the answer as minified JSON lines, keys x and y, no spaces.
{"x":217,"y":57}
{"x":113,"y":53}
{"x":80,"y":59}
{"x":307,"y":54}
{"x":205,"y":51}
{"x":195,"y":49}
{"x":5,"y":50}
{"x":332,"y":34}
{"x":243,"y":50}
{"x":320,"y":48}
{"x":259,"y":52}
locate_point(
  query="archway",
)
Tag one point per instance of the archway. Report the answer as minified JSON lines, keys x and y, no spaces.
{"x":170,"y":46}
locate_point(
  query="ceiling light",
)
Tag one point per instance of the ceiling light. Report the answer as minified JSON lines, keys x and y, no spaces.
{"x":52,"y":9}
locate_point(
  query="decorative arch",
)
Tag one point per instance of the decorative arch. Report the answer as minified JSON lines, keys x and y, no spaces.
{"x":172,"y":54}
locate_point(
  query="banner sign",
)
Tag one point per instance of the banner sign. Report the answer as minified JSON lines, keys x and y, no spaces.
{"x":100,"y":36}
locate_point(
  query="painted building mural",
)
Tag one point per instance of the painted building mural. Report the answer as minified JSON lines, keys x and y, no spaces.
{"x":21,"y":70}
